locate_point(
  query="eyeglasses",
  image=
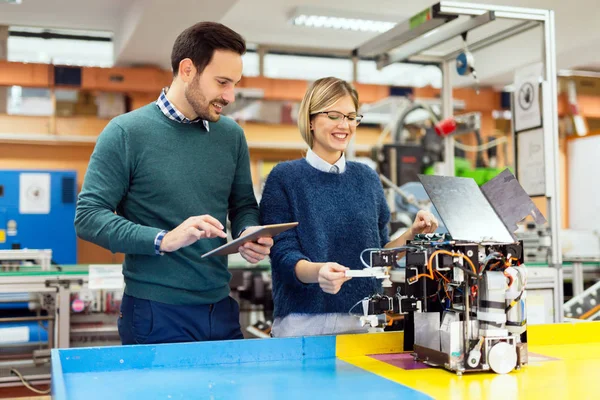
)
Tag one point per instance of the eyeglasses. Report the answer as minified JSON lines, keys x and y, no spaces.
{"x":353,"y":120}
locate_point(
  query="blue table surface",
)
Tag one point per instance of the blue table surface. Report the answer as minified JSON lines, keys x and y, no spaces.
{"x":292,"y":368}
{"x":307,"y":379}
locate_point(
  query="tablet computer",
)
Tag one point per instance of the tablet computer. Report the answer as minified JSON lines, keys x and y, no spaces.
{"x":265,"y":231}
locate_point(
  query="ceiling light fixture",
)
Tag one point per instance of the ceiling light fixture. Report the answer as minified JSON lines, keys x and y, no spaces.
{"x":337,"y":19}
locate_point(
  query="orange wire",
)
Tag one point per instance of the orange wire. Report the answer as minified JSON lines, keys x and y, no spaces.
{"x":442,"y":276}
{"x":392,"y":318}
{"x":430,"y":269}
{"x":447,"y":295}
{"x":510,"y":278}
{"x":506,"y":264}
{"x":453,"y":255}
{"x":495,"y":265}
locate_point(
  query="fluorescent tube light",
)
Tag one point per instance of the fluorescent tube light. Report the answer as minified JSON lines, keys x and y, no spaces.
{"x":337,"y":19}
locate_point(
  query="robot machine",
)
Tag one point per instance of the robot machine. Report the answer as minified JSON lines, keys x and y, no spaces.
{"x":463,"y":293}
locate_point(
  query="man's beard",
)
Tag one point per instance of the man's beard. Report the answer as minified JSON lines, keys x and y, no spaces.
{"x":202,"y":107}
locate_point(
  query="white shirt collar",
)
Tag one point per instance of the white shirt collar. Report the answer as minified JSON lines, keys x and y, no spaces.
{"x":317,"y":162}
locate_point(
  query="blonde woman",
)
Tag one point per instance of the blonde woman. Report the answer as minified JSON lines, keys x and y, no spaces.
{"x":341,"y":210}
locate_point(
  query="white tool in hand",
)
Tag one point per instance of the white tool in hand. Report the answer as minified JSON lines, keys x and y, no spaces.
{"x":374,"y":272}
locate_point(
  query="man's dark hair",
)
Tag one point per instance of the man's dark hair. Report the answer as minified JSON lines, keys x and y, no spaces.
{"x":199,"y":42}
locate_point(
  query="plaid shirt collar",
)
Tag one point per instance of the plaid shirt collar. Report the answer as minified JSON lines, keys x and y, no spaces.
{"x":173,"y":113}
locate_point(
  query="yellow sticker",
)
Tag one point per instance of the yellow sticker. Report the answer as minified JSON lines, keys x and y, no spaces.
{"x":2,"y":236}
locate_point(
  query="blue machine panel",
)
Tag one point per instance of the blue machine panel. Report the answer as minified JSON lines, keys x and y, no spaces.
{"x":37,"y":210}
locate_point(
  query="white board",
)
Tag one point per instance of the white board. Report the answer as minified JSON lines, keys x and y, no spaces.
{"x":531,"y":173}
{"x":526,"y":102}
{"x":106,"y":276}
{"x":34,"y":193}
{"x":584,"y":186}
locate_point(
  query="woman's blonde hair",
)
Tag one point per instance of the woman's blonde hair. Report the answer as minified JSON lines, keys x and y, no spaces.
{"x":322,"y":94}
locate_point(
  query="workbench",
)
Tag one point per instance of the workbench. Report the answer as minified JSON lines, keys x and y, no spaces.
{"x":564,"y":360}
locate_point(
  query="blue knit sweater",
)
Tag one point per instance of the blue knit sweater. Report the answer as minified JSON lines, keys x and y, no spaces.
{"x":339,"y":216}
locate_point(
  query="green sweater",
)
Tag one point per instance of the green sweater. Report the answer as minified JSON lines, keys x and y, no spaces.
{"x":148,"y":173}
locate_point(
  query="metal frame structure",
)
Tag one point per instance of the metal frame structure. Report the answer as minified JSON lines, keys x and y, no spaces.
{"x":59,"y":285}
{"x":58,"y":322}
{"x":409,"y":42}
{"x":43,"y":258}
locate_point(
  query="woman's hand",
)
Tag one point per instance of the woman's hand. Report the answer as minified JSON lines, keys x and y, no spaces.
{"x":425,"y":222}
{"x":332,"y":276}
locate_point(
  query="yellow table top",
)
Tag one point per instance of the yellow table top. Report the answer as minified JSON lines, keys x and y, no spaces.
{"x":564,"y":363}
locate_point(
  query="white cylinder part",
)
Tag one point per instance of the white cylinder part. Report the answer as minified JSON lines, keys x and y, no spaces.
{"x":493,"y":290}
{"x":502,"y":358}
{"x":516,"y":317}
{"x":474,"y":358}
{"x":519,"y":277}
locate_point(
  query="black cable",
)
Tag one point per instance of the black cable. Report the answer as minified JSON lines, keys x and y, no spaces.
{"x":400,"y":249}
{"x":57,"y":265}
{"x":515,"y":301}
{"x":467,"y":270}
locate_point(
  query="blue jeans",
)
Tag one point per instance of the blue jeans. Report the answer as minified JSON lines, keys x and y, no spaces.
{"x":150,"y":322}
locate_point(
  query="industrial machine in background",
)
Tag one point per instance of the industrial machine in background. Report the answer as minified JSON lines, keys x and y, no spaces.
{"x":463,"y":298}
{"x":417,"y":141}
{"x":418,"y":148}
{"x":536,"y":242}
{"x":94,"y":315}
{"x":580,"y":251}
{"x":37,"y":210}
{"x":251,"y":286}
{"x":42,"y":309}
{"x":585,"y":306}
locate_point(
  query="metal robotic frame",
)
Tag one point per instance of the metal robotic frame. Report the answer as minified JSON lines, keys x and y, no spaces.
{"x":463,"y":302}
{"x":463,"y":296}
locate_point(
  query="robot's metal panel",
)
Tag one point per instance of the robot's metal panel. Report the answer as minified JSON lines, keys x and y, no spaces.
{"x":510,"y":200}
{"x":464,"y":209}
{"x":427,"y":330}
